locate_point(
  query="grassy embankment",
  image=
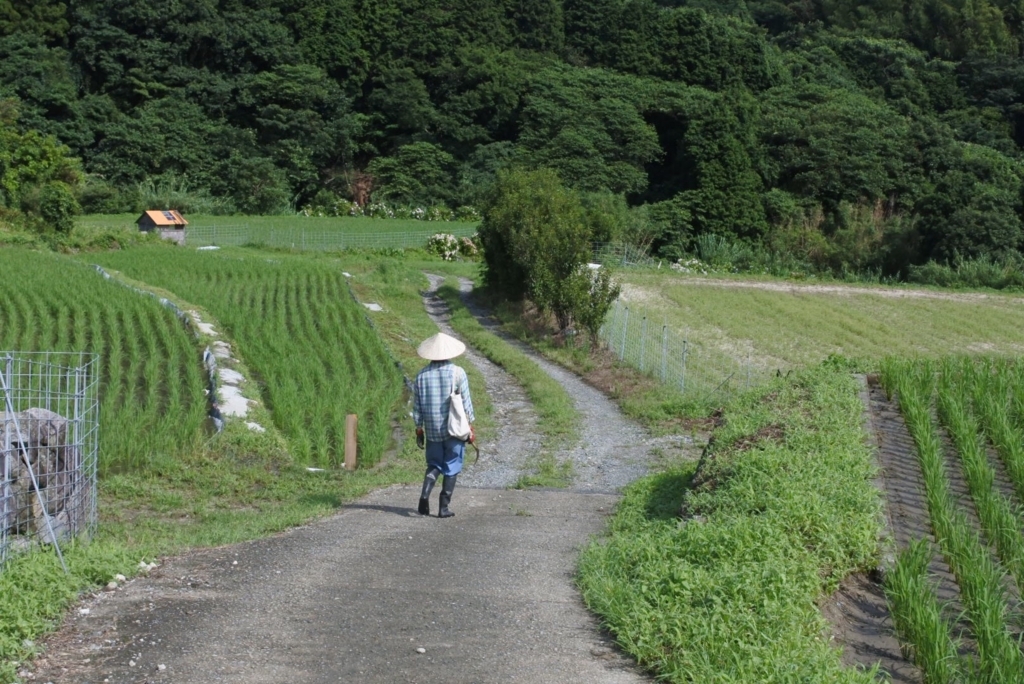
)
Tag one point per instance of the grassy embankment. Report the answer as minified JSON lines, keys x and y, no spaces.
{"x":783,"y":509}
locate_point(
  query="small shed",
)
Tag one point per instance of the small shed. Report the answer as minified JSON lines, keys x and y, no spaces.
{"x":169,"y":223}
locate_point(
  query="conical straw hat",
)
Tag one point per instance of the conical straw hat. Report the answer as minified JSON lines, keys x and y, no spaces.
{"x":440,"y":347}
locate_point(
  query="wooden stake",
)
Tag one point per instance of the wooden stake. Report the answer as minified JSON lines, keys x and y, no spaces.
{"x":351,"y":422}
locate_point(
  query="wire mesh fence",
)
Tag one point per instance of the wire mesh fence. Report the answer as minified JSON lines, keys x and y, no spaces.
{"x":623,"y":255}
{"x":49,"y":428}
{"x":314,"y":239}
{"x":697,"y":370}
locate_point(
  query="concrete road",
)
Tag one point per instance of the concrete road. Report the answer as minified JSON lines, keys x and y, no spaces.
{"x":488,"y":596}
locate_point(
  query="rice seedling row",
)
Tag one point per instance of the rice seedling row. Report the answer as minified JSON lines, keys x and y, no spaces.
{"x":151,"y":391}
{"x":1000,"y":521}
{"x":918,"y":615}
{"x":996,"y":386}
{"x":293,"y":321}
{"x":980,"y":577}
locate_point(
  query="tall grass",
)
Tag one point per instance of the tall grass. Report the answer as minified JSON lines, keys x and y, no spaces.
{"x":980,"y":578}
{"x":728,"y":594}
{"x":151,"y":389}
{"x":293,"y":321}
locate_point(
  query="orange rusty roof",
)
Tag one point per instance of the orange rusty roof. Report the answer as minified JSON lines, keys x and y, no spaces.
{"x":165,"y":218}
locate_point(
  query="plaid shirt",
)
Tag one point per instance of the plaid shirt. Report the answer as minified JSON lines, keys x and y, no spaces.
{"x":430,"y":401}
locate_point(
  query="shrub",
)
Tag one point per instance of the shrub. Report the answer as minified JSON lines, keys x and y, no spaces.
{"x":469,"y":247}
{"x":444,"y":245}
{"x":58,"y":206}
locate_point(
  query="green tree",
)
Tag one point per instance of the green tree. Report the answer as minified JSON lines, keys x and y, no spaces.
{"x":537,"y":243}
{"x":418,"y":173}
{"x":58,"y":206}
{"x":975,"y":208}
{"x":30,"y":160}
{"x":588,"y":125}
{"x":44,"y":18}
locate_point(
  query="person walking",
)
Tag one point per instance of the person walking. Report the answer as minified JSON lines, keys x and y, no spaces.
{"x":432,"y":392}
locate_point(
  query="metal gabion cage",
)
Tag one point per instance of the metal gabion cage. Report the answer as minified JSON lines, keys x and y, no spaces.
{"x":49,"y":430}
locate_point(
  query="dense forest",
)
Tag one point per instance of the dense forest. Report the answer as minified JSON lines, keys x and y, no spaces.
{"x":852,"y":136}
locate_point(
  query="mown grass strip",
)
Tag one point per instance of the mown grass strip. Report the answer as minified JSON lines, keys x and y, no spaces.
{"x":917,"y":616}
{"x":979,"y":577}
{"x":729,"y":594}
{"x":999,"y":519}
{"x":558,"y":419}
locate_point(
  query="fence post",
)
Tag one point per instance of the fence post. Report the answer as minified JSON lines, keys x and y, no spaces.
{"x":643,"y":344}
{"x":351,"y":423}
{"x":625,"y":327}
{"x":682,"y":378}
{"x":664,"y":349}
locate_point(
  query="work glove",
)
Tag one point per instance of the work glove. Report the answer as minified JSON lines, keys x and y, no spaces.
{"x":421,"y":440}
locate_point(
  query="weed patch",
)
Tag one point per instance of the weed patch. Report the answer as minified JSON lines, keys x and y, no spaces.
{"x":729,"y":593}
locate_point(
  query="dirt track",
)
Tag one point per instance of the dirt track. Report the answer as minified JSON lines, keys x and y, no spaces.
{"x":847,"y":290}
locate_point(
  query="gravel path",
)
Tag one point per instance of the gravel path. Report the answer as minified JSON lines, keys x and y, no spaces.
{"x":503,"y":459}
{"x":614,"y":450}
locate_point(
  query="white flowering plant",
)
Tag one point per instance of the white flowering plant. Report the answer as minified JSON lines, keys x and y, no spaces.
{"x":343,"y":207}
{"x":692,"y":266}
{"x":469,"y":246}
{"x":445,"y":245}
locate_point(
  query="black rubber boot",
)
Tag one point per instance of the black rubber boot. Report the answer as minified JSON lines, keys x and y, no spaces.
{"x":446,"y":496}
{"x":428,"y":485}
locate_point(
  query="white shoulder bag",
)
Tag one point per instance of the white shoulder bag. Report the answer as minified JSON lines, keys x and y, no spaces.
{"x":458,"y":423}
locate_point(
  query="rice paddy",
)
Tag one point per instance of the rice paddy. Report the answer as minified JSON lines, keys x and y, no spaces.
{"x":955,"y":409}
{"x":792,"y":325}
{"x":152,"y":401}
{"x":292,"y":319}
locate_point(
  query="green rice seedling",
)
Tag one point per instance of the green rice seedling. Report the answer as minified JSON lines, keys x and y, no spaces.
{"x":292,"y":319}
{"x":1000,"y":521}
{"x":993,"y":401}
{"x":917,"y":616}
{"x":979,"y":577}
{"x":53,"y":303}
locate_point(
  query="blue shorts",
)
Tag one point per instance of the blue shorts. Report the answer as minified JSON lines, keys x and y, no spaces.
{"x":446,"y":456}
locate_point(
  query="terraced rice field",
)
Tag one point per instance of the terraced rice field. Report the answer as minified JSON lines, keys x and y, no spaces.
{"x":152,"y":401}
{"x":295,"y":324}
{"x":955,"y":592}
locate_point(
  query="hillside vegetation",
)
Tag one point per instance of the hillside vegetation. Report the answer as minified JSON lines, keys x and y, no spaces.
{"x":852,"y":137}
